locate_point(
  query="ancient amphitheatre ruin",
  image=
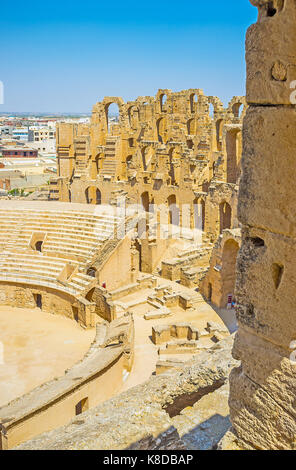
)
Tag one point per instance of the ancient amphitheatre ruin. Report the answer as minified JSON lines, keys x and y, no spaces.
{"x":157,"y":224}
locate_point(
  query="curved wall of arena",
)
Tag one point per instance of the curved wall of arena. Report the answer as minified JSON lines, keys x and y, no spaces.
{"x":96,"y":378}
{"x":53,"y":301}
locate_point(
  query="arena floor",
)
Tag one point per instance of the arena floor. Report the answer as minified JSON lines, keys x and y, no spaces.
{"x":37,"y":347}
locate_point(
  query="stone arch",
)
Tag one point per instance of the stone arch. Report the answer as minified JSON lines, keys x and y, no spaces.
{"x":199,"y":210}
{"x":193,"y":100}
{"x":163,"y":102}
{"x":107,"y":102}
{"x":191,"y":127}
{"x":147,"y":156}
{"x":190,"y":144}
{"x":90,"y":295}
{"x":228,"y":271}
{"x":237,"y":109}
{"x":211,"y":110}
{"x":219,"y":133}
{"x":98,"y":197}
{"x":92,"y":271}
{"x":133,"y":116}
{"x":161,"y":130}
{"x":88,"y":195}
{"x":225,"y":216}
{"x":128,"y":160}
{"x":93,"y":195}
{"x":174,"y":211}
{"x":216,"y":103}
{"x":111,"y":115}
{"x":237,"y":106}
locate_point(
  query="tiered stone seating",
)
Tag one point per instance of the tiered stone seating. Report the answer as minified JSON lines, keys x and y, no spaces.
{"x":72,"y":234}
{"x":70,"y":237}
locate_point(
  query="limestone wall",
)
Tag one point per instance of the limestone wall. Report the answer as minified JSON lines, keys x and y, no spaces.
{"x":219,"y":281}
{"x":262,"y":393}
{"x":164,"y":148}
{"x":53,"y":301}
{"x":142,"y":417}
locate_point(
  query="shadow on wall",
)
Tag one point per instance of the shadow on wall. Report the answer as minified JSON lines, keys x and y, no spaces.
{"x":207,"y":434}
{"x":204,"y":436}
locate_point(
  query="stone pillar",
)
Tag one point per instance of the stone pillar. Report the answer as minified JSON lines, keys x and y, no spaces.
{"x":263,"y":388}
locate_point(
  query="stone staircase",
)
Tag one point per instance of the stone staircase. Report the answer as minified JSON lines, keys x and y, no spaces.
{"x":110,"y":163}
{"x":82,"y":163}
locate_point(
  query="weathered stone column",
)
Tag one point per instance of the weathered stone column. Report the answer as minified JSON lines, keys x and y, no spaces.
{"x":263,"y":389}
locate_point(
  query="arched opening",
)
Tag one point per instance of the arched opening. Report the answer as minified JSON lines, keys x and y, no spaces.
{"x":228,"y":272}
{"x":193,"y":103}
{"x":237,"y":109}
{"x":129,"y":159}
{"x":91,"y":272}
{"x":191,"y":127}
{"x":225,"y":216}
{"x":38,"y":246}
{"x":163,"y":103}
{"x":199,"y":214}
{"x":81,"y":406}
{"x":219,"y":131}
{"x":147,"y":157}
{"x":88,"y":195}
{"x":174,"y":211}
{"x":75,"y":313}
{"x":98,"y":197}
{"x":190,"y":144}
{"x":38,"y":300}
{"x":211,"y":110}
{"x":70,"y":196}
{"x":161,"y":130}
{"x":93,"y":195}
{"x":89,"y":296}
{"x":233,"y":151}
{"x":112,"y":116}
{"x":273,"y":7}
{"x":133,"y":117}
{"x":145,"y":201}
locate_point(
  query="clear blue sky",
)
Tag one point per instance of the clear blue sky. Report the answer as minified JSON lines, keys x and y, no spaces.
{"x":63,"y":56}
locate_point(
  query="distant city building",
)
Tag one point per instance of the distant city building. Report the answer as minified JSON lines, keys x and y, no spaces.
{"x":40,"y":133}
{"x":47,"y":146}
{"x":28,"y":173}
{"x":18,"y":151}
{"x":5,"y":131}
{"x":21,"y":133}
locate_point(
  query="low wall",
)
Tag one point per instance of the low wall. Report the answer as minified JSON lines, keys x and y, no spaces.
{"x":55,"y":302}
{"x":141,"y":418}
{"x":92,"y":381}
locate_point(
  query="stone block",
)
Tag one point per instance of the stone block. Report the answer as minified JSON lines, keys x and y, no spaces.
{"x":257,"y":418}
{"x":271,"y":54}
{"x":269,"y":159}
{"x":265,"y":285}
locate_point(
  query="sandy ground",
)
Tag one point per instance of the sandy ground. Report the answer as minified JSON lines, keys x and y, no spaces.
{"x":37,"y":347}
{"x":146,"y":354}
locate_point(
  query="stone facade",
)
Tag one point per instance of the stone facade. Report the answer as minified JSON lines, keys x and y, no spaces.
{"x":164,"y":150}
{"x":262,"y":391}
